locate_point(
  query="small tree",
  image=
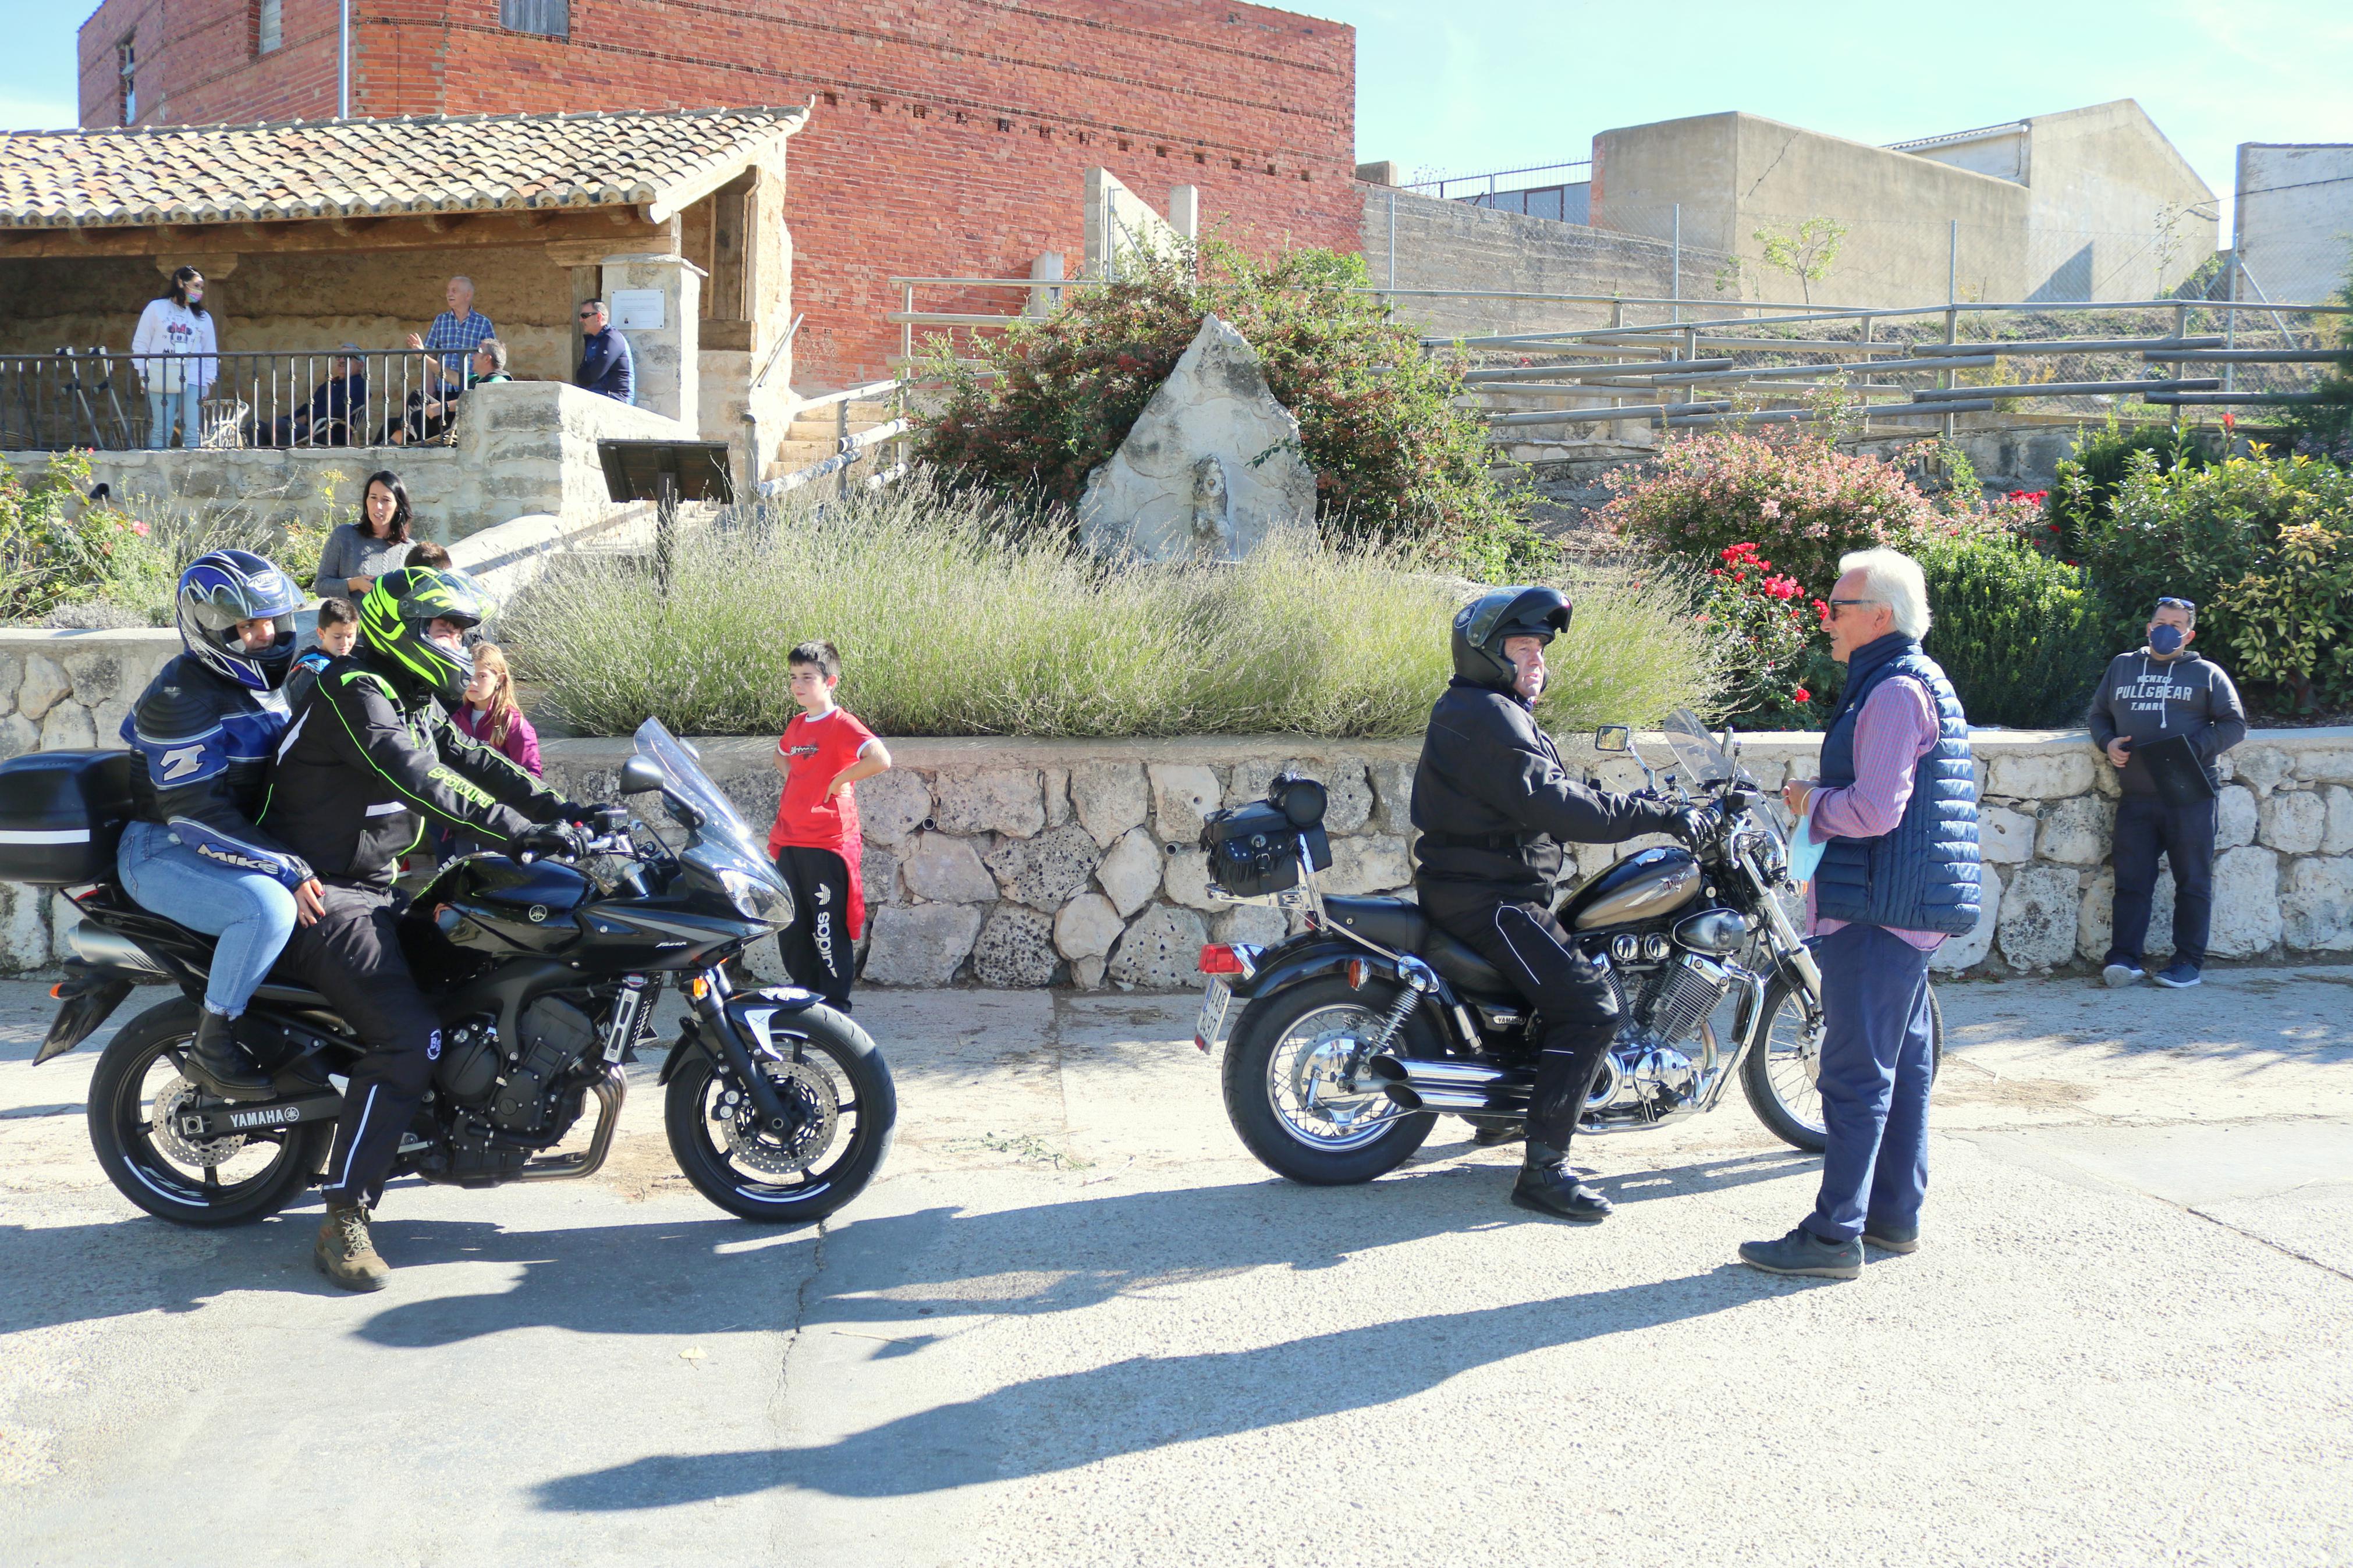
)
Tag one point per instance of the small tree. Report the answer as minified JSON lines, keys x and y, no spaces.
{"x":1806,"y":252}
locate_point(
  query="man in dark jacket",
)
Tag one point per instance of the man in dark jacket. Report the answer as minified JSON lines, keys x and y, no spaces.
{"x":1494,"y":807}
{"x":2163,"y":690}
{"x":369,"y":759}
{"x":606,"y":367}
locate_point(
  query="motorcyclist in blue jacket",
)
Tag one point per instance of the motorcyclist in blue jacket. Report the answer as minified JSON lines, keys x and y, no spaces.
{"x":206,"y":728}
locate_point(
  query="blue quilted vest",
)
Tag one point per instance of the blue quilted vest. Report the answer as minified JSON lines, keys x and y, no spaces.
{"x":1921,"y":875}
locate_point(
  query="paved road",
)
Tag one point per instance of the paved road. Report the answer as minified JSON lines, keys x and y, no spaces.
{"x":1076,"y":1324}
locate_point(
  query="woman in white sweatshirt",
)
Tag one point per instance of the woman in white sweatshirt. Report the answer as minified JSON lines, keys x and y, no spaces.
{"x":175,"y":323}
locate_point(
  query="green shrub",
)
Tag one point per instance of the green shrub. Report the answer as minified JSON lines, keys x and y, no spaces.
{"x":2090,"y":475}
{"x":1395,"y":461}
{"x":2019,"y":634}
{"x":959,"y":613}
{"x":2293,"y":615}
{"x":2223,"y":537}
{"x":54,"y":549}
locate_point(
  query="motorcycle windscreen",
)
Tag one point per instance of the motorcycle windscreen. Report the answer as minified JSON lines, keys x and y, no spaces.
{"x":1703,"y":760}
{"x":724,"y":836}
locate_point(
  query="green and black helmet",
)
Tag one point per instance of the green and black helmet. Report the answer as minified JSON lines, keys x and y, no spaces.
{"x":394,"y":619}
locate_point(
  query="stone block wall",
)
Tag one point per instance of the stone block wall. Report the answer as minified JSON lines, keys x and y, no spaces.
{"x":1029,"y":863}
{"x":1019,"y":863}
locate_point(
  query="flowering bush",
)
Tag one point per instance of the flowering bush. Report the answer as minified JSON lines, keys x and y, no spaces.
{"x":54,"y":549}
{"x":1796,"y":497}
{"x":1765,"y":627}
{"x":2019,"y":633}
{"x":1395,"y":461}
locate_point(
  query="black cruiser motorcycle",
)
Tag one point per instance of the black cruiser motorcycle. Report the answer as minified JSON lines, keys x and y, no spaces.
{"x":1358,"y":1033}
{"x":544,"y":972}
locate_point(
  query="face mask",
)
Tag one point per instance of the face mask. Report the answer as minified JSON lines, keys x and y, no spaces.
{"x":2165,"y":640}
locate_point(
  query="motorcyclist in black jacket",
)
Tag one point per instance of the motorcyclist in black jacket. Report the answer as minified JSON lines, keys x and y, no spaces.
{"x":1494,"y":807}
{"x":369,"y":760}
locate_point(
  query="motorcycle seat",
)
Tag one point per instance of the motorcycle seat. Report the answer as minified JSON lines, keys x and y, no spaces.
{"x":1401,"y":927}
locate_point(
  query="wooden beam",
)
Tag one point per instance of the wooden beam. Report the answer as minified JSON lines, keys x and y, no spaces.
{"x":590,"y":224}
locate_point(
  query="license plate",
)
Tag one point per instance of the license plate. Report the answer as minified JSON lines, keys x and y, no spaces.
{"x":1211,"y":1026}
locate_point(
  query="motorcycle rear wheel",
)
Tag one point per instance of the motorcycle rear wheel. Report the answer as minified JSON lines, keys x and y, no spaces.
{"x":1270,"y":1062}
{"x":139,"y":1071}
{"x":838,"y":1074}
{"x":1780,"y":1073}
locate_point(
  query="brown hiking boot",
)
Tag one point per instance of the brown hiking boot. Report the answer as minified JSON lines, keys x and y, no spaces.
{"x":346,"y":1253}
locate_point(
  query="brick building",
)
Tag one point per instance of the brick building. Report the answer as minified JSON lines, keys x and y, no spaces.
{"x":949,"y":139}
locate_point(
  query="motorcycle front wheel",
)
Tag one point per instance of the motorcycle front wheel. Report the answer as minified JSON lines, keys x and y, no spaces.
{"x":135,"y":1092}
{"x":832,"y":1078}
{"x":1289,"y":1095}
{"x":1781,"y":1072}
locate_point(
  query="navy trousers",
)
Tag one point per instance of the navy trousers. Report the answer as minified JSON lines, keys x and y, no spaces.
{"x":1878,"y":1057}
{"x":2184,"y":835}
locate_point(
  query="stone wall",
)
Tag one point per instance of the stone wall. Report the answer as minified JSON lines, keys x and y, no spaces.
{"x":1455,"y":246}
{"x":1031,"y":863}
{"x":522,"y":447}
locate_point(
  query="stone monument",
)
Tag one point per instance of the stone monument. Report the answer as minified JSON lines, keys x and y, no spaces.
{"x":1212,"y":464}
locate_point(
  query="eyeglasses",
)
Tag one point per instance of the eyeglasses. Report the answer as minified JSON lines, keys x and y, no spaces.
{"x":590,"y":315}
{"x":1836,"y":605}
{"x":2190,"y":604}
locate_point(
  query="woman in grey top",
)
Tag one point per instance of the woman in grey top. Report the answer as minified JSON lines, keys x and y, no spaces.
{"x":358,"y":553}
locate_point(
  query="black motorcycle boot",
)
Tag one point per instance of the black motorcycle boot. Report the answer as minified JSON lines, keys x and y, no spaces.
{"x":1546,"y":1184}
{"x":213,"y":1061}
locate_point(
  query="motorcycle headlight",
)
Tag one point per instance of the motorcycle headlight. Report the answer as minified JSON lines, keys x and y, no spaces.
{"x":755,"y":899}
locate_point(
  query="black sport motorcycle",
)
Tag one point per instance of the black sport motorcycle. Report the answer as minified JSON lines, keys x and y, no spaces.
{"x":544,"y":972}
{"x":1364,"y":1027}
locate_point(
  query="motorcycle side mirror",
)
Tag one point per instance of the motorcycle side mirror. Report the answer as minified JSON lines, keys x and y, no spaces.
{"x":640,"y":775}
{"x":1613,"y":738}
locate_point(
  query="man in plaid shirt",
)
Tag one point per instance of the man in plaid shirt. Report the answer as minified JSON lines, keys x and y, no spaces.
{"x":454,"y":335}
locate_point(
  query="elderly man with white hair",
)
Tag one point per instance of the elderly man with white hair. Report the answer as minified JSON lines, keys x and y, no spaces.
{"x":1897,"y":813}
{"x":453,"y":337}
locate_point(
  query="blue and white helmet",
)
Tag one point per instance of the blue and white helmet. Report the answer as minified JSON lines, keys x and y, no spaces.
{"x":221,"y":589}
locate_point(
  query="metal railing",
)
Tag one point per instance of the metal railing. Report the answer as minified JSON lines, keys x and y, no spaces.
{"x":1711,"y":362}
{"x":104,"y":400}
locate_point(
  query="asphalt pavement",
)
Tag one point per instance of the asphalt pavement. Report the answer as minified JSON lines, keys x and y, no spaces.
{"x":1075,"y":1323}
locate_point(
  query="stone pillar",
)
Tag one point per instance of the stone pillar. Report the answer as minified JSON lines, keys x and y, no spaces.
{"x":668,"y":357}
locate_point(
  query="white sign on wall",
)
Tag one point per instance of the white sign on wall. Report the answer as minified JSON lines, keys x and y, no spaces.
{"x":638,"y":309}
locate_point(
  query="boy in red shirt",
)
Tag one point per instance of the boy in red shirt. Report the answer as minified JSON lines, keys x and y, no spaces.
{"x":823,"y":751}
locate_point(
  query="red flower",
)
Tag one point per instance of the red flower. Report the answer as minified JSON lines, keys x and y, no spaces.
{"x":1801,"y":695}
{"x":2230,"y":422}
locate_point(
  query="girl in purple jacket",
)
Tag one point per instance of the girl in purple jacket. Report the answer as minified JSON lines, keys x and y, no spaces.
{"x":489,"y":714}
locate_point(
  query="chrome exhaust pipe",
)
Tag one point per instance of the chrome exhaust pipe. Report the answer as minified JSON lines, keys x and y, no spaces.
{"x":103,"y":949}
{"x":1427,"y":1083}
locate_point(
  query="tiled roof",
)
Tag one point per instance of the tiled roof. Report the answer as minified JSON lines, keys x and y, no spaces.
{"x":352,"y":168}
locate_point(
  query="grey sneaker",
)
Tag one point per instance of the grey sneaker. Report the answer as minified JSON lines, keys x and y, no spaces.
{"x":346,"y":1253}
{"x":2121,"y":973}
{"x":1892,"y":1238}
{"x":2176,"y":977}
{"x":1803,"y":1252}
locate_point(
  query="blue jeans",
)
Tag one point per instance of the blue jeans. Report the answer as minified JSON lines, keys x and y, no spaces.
{"x":252,"y":914}
{"x":1878,"y":1055}
{"x":163,"y":407}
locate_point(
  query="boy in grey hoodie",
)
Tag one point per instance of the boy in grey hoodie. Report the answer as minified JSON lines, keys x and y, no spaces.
{"x":2163,"y":690}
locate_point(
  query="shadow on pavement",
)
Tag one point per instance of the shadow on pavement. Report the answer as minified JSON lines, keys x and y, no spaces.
{"x":1148,"y":1402}
{"x":688,"y":1275}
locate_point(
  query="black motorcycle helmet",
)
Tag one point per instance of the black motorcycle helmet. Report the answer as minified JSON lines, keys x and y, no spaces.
{"x":1483,"y":625}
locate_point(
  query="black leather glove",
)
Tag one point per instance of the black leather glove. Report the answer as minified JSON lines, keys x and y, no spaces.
{"x":1693,"y":826}
{"x":560,"y":840}
{"x":573,"y":811}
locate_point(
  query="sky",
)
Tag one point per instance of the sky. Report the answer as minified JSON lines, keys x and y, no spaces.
{"x":1473,"y":85}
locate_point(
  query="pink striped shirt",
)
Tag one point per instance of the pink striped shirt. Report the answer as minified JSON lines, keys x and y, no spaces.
{"x":1895,"y":729}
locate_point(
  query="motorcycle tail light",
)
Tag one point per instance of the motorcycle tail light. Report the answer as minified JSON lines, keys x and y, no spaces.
{"x":1217,"y":958}
{"x":1356,"y":973}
